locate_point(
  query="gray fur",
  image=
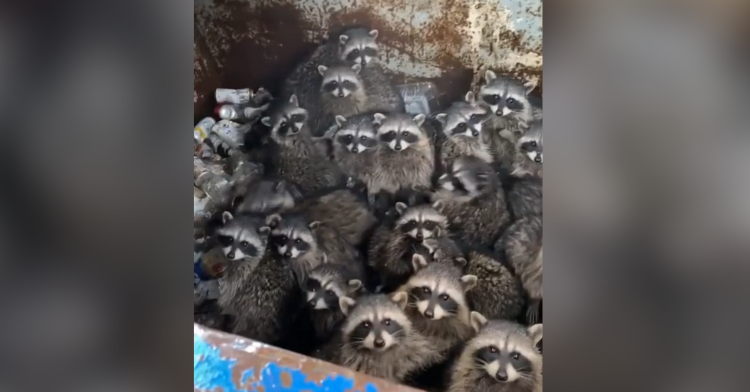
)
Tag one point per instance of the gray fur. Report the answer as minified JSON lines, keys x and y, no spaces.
{"x":462,"y":132}
{"x":390,"y":248}
{"x":297,"y":158}
{"x":325,"y":244}
{"x":412,"y":166}
{"x":382,"y":95}
{"x":327,"y":105}
{"x":440,"y":250}
{"x":472,"y":375}
{"x":269,"y":196}
{"x":503,"y":126}
{"x":525,"y":197}
{"x":410,"y":352}
{"x":498,"y":293}
{"x":528,"y":159}
{"x":341,"y":280}
{"x":342,"y":209}
{"x":452,"y":328}
{"x":357,"y":164}
{"x":477,"y":212}
{"x":522,"y":243}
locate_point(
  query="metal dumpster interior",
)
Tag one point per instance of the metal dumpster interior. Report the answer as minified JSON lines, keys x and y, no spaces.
{"x":256,"y":43}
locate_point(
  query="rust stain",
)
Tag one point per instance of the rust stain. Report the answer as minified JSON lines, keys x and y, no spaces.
{"x":286,"y":380}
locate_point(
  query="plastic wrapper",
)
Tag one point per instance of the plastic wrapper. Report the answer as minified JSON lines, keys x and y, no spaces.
{"x":210,"y":178}
{"x":419,"y":98}
{"x":243,"y":171}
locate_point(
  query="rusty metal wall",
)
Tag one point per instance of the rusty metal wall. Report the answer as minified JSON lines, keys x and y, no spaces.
{"x":448,"y":42}
{"x":228,"y":363}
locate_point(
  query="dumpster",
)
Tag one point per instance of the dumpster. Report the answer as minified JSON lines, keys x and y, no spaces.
{"x":446,"y":45}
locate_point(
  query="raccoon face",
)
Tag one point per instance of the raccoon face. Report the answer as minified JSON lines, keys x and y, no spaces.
{"x":269,"y":196}
{"x":324,"y":290}
{"x":531,"y":142}
{"x":420,"y":222}
{"x":463,"y":119}
{"x":242,"y":237}
{"x":506,"y":97}
{"x":375,"y":323}
{"x":399,"y":131}
{"x":291,"y":237}
{"x":507,"y":353}
{"x":358,"y":46}
{"x":341,"y":81}
{"x":437,"y":290}
{"x":469,"y":176}
{"x":287,"y":121}
{"x":356,"y":138}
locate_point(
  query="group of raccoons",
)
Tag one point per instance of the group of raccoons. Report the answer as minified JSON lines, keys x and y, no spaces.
{"x":404,"y":246}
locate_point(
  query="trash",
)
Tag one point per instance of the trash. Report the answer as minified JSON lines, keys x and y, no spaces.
{"x":244,"y":172}
{"x":419,"y":98}
{"x":240,"y":112}
{"x":207,"y":268}
{"x":203,"y":128}
{"x":229,"y":133}
{"x":228,"y":95}
{"x":210,"y":178}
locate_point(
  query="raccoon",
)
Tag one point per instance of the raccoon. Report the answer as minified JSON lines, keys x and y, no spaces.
{"x":437,"y":302}
{"x":354,"y":145}
{"x":522,"y":243}
{"x":307,"y":244}
{"x":341,"y":92}
{"x":405,"y":156}
{"x":440,"y":250}
{"x":258,"y":291}
{"x":390,"y":246}
{"x":462,"y":131}
{"x":525,"y":197}
{"x":470,"y":196}
{"x":498,"y":293}
{"x":268,"y":196}
{"x":296,"y":157}
{"x":327,"y":283}
{"x":378,"y":339}
{"x":528,"y":157}
{"x":510,"y":109}
{"x":502,"y":358}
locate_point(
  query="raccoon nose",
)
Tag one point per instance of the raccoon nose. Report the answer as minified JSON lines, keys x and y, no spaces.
{"x":397,"y":147}
{"x":230,"y":255}
{"x":288,"y":254}
{"x":312,"y":302}
{"x":379,"y":342}
{"x":420,"y":237}
{"x":341,"y":94}
{"x":475,"y":133}
{"x":501,"y":375}
{"x":499,"y":112}
{"x":429,"y":314}
{"x":355,"y":149}
{"x":537,"y":159}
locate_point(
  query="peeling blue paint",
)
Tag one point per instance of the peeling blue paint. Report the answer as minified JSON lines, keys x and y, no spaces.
{"x":212,"y":372}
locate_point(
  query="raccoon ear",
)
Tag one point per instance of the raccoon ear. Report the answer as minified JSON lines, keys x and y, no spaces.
{"x":468,"y":282}
{"x":418,"y":262}
{"x":401,"y":208}
{"x":438,"y":231}
{"x":322,"y":70}
{"x":343,"y":39}
{"x":279,"y":186}
{"x":264,"y":230}
{"x":346,"y":304}
{"x":460,"y":261}
{"x":378,"y":118}
{"x":535,"y":332}
{"x":437,"y":205}
{"x":353,"y":285}
{"x":373,"y":33}
{"x":325,"y":259}
{"x":419,"y":119}
{"x":266,"y":121}
{"x":226,"y":216}
{"x":237,"y":200}
{"x":470,"y":98}
{"x":401,"y":299}
{"x":530,"y":86}
{"x":489,"y":76}
{"x":293,"y":100}
{"x":314,"y":225}
{"x":442,"y":117}
{"x":340,"y":121}
{"x":477,"y":321}
{"x":356,"y":67}
{"x":273,"y":220}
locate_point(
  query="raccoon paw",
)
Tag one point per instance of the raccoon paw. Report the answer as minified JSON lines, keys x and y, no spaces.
{"x":532,"y":313}
{"x":351,"y":182}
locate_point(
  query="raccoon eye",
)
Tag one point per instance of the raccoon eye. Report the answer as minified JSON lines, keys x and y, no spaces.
{"x":474,"y":117}
{"x":515,"y":355}
{"x":334,"y":83}
{"x":349,"y":137}
{"x":363,"y":138}
{"x":494,"y":350}
{"x":347,"y":84}
{"x":404,"y":133}
{"x":444,"y":297}
{"x":533,"y":144}
{"x":461,"y":126}
{"x":298,"y":241}
{"x":330,"y":293}
{"x":412,"y":222}
{"x":355,"y":52}
{"x":365,"y":324}
{"x":298,"y":118}
{"x":426,"y":289}
{"x":391,"y":133}
{"x":510,"y":101}
{"x":244,"y":243}
{"x":429,"y":225}
{"x":387,"y":321}
{"x":283,"y":124}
